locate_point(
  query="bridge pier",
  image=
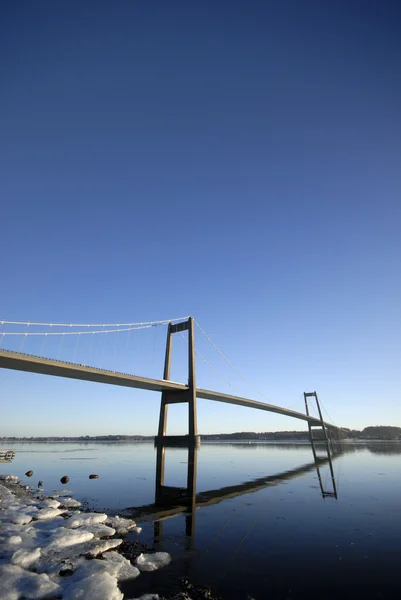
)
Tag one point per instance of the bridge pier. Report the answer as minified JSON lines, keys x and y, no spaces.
{"x":173,"y":396}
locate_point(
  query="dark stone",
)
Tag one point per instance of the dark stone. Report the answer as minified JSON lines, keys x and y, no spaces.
{"x":29,"y":473}
{"x":93,"y":476}
{"x":40,"y":484}
{"x":65,"y":479}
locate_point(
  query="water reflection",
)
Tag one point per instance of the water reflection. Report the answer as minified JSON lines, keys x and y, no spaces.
{"x":174,"y":500}
{"x":384,"y":448}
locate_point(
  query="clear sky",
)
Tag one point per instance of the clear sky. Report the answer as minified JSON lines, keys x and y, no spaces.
{"x":236,"y":161}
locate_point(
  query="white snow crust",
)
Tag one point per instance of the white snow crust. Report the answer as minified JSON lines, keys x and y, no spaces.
{"x":39,"y":541}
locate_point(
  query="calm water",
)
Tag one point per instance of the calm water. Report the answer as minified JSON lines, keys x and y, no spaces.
{"x":264,"y":529}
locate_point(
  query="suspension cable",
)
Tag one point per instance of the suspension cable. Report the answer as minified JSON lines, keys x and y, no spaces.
{"x":230,"y":363}
{"x":100,"y":331}
{"x":208,"y":364}
{"x":32,"y":323}
{"x":330,"y":418}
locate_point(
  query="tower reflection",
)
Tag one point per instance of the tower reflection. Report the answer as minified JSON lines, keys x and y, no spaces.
{"x":174,"y":500}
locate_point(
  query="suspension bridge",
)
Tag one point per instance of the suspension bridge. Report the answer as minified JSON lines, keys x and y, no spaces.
{"x":172,"y":392}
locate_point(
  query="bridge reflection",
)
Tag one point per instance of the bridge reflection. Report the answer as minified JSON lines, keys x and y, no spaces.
{"x":173,"y":500}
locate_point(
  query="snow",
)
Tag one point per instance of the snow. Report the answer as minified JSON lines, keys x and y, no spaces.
{"x":100,"y":530}
{"x":99,"y":546}
{"x":47,"y":513}
{"x":25,"y":558}
{"x":17,"y":583}
{"x":121,"y":525}
{"x":69,"y":502}
{"x":80,"y":519}
{"x":100,"y":587}
{"x":125,"y":569}
{"x":14,"y":539}
{"x":63,"y":537}
{"x":47,"y":525}
{"x":49,"y":503}
{"x":97,"y":579}
{"x":39,"y":542}
{"x":21,"y":518}
{"x":152,"y":562}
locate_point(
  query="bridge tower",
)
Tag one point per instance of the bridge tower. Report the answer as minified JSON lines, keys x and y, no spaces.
{"x":173,"y":397}
{"x":327,"y":442}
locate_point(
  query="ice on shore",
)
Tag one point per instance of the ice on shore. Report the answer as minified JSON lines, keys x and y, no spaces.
{"x":152,"y":562}
{"x":63,"y":537}
{"x":68,"y":502}
{"x":18,"y":583}
{"x":122,"y":526}
{"x":125,"y":570}
{"x":100,"y":587}
{"x":49,"y":503}
{"x":14,"y":540}
{"x":112,"y":563}
{"x":20,"y":518}
{"x":99,"y":530}
{"x":98,"y":579}
{"x":38,"y":535}
{"x":80,"y":519}
{"x":99,"y":546}
{"x":47,"y":513}
{"x":25,"y":558}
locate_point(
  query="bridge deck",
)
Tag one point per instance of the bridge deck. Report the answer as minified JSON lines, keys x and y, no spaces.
{"x":36,"y":364}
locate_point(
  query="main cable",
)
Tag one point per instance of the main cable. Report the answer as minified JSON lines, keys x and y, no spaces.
{"x":36,"y":324}
{"x":100,"y":331}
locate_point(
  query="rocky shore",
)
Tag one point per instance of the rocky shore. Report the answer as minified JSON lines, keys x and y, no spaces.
{"x":50,"y":549}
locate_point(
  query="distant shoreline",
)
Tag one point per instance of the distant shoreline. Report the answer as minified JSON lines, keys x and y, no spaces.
{"x":382,"y":433}
{"x":207,"y":441}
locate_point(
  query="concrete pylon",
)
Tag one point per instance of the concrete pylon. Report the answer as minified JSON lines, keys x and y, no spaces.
{"x":174,"y":397}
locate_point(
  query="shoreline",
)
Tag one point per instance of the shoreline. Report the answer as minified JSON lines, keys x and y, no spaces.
{"x":49,"y":548}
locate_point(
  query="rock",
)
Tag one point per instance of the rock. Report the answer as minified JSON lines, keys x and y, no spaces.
{"x":40,"y":484}
{"x":93,"y":476}
{"x":29,"y":473}
{"x":65,"y":479}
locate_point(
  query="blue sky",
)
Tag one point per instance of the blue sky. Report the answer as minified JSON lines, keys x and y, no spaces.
{"x":237,"y":162}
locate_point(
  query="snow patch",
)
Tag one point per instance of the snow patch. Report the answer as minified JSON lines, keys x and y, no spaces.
{"x":25,"y":558}
{"x":17,"y":583}
{"x":48,"y":513}
{"x":49,"y":503}
{"x":99,"y":530}
{"x":99,"y":546}
{"x":125,"y":570}
{"x":152,"y":562}
{"x":69,"y":503}
{"x":121,"y":525}
{"x":63,"y":537}
{"x":101,"y":587}
{"x":14,"y":539}
{"x":21,"y":518}
{"x":52,"y":544}
{"x":85,"y":519}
